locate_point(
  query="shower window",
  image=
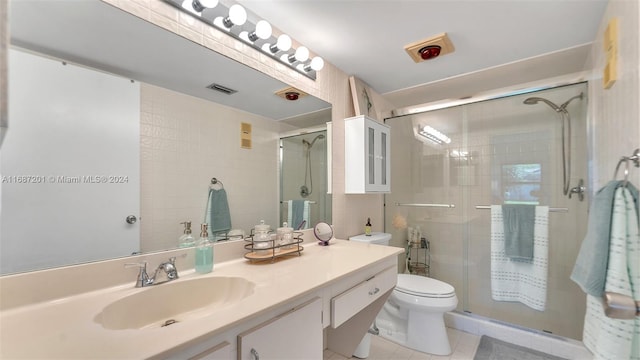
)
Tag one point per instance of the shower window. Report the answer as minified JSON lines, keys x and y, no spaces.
{"x":521,"y":183}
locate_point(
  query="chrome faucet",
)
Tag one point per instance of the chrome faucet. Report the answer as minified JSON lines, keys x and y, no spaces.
{"x":167,"y":269}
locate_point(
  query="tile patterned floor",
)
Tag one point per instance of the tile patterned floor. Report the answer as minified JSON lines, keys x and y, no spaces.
{"x":464,"y":348}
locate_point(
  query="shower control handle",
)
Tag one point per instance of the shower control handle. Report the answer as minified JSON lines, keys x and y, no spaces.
{"x":580,"y":190}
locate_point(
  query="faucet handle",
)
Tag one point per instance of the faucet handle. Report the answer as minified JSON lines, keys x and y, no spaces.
{"x":142,"y":278}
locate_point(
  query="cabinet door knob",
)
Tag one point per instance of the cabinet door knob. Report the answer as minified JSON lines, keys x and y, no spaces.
{"x":255,"y":354}
{"x":374,"y":291}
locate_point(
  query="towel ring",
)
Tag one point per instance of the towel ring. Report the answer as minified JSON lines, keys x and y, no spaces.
{"x":214,"y":182}
{"x":626,"y":169}
{"x":635,"y":158}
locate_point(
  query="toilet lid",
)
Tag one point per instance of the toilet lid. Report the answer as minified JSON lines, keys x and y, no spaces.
{"x":424,"y":286}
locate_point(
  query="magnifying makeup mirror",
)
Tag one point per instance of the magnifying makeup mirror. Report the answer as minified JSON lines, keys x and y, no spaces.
{"x":323,"y":232}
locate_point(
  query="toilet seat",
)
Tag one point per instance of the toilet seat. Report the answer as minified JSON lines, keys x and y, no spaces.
{"x":424,"y":287}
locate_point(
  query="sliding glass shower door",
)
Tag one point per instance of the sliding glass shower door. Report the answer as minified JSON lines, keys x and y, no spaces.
{"x":450,"y":165}
{"x":303,"y":179}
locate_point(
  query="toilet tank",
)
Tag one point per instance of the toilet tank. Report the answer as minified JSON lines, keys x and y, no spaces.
{"x":379,"y":238}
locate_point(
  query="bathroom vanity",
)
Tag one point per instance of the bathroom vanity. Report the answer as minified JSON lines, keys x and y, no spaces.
{"x":241,"y":309}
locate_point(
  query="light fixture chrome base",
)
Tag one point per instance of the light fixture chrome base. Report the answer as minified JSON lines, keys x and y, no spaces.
{"x":208,"y":16}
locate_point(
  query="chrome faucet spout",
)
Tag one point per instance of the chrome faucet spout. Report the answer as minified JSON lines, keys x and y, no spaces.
{"x":167,"y":268}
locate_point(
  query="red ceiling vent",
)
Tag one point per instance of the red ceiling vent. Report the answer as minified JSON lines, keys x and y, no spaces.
{"x":292,"y":95}
{"x":430,"y":51}
{"x":430,"y":48}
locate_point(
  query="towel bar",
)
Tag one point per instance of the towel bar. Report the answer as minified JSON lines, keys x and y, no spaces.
{"x":551,"y":209}
{"x":618,"y":306}
{"x":310,"y":202}
{"x":428,"y":205}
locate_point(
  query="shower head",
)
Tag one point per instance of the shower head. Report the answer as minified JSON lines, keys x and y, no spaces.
{"x":310,"y":144}
{"x":535,"y":100}
{"x":563,"y":106}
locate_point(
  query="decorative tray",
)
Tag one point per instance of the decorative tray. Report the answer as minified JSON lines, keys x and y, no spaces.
{"x":271,"y":250}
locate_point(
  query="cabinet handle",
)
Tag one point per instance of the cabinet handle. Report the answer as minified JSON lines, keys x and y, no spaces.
{"x":374,"y":291}
{"x":255,"y":354}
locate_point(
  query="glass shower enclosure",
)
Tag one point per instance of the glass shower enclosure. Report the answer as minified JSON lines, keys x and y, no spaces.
{"x":451,"y":164}
{"x":303,"y":178}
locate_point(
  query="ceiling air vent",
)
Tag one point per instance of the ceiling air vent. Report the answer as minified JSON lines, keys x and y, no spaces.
{"x":222,"y":89}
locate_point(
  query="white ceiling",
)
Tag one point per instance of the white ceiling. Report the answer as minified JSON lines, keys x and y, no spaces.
{"x":363,"y":38}
{"x":367,"y":38}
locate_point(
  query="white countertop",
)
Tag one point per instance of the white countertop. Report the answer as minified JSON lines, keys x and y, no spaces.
{"x":65,"y":328}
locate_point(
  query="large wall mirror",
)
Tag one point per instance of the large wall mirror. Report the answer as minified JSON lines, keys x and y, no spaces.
{"x":114,"y":137}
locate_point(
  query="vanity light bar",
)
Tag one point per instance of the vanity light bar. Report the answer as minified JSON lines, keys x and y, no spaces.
{"x":234,"y":20}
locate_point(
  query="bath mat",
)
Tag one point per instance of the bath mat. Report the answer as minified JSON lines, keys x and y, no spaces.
{"x":494,"y":349}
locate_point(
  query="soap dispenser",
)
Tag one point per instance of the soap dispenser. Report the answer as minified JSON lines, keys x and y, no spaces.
{"x":204,"y":252}
{"x":186,"y":240}
{"x":367,"y":227}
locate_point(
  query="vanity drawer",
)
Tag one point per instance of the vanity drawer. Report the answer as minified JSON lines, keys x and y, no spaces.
{"x":352,"y":301}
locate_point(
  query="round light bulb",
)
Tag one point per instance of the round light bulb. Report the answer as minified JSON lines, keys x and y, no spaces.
{"x":245,"y":36}
{"x":317,"y":63}
{"x":302,"y":54}
{"x":284,"y":42}
{"x":237,"y":14}
{"x":263,"y":29}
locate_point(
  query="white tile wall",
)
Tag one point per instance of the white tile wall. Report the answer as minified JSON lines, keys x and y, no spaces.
{"x":185,"y":141}
{"x":615,"y":112}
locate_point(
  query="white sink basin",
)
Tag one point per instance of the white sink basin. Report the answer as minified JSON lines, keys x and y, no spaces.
{"x":172,"y":302}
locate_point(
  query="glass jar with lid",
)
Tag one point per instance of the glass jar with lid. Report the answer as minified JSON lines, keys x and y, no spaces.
{"x":284,"y":236}
{"x":262,"y":243}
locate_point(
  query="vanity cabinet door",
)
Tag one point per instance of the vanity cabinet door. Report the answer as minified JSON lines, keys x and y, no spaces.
{"x":296,"y":334}
{"x":367,"y":160}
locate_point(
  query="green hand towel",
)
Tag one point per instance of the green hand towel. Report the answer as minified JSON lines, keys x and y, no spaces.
{"x":218,"y":215}
{"x":518,"y":230}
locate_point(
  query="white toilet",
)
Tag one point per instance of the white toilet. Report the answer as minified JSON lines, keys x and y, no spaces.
{"x":413,"y":316}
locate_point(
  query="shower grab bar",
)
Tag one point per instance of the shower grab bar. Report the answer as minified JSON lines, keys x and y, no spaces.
{"x":428,"y":205}
{"x":551,"y":209}
{"x":310,"y":202}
